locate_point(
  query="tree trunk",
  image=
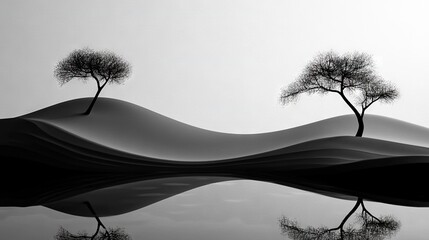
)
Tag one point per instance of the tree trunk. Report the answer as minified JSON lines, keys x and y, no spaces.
{"x":359,"y":117}
{"x":341,"y":226}
{"x":88,"y":111}
{"x":359,"y":132}
{"x":99,"y":223}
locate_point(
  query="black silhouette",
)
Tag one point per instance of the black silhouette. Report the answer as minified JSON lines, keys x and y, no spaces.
{"x":346,"y":74}
{"x":103,"y":66}
{"x":107,"y":234}
{"x":371,"y":227}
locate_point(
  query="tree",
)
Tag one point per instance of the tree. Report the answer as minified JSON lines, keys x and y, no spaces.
{"x":349,"y":75}
{"x":107,"y":234}
{"x":102,"y":66}
{"x":370,"y":227}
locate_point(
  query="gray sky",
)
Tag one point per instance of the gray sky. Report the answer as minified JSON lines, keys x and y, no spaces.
{"x":219,"y":64}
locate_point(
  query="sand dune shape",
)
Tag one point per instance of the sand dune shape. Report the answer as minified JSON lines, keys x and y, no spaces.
{"x":136,"y":130}
{"x":346,"y":181}
{"x":128,"y":197}
{"x":50,"y":145}
{"x":120,"y":138}
{"x":121,"y":133}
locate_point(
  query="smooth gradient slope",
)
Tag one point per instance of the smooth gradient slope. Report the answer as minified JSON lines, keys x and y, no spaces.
{"x":136,"y":130}
{"x":125,"y":139}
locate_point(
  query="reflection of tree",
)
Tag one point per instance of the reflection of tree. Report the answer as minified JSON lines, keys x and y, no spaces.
{"x":108,"y":234}
{"x":105,"y":234}
{"x":371,"y":227}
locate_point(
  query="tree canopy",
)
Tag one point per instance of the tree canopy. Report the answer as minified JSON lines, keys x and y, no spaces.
{"x":102,"y":66}
{"x":366,"y":226}
{"x":107,"y":234}
{"x":351,"y":76}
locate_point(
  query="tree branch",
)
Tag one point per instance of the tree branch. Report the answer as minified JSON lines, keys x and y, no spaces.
{"x":366,"y":211}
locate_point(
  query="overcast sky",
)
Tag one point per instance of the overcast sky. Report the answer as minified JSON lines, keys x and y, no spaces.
{"x":219,"y":64}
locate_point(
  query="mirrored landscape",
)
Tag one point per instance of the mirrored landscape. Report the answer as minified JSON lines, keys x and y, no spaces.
{"x":210,"y":207}
{"x":214,"y":120}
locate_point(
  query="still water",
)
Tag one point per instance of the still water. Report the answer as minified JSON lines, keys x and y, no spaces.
{"x":213,"y":209}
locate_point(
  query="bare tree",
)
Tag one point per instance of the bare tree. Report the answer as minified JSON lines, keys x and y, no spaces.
{"x":370,"y":227}
{"x":102,"y":66}
{"x":106,"y":234}
{"x":349,"y":76}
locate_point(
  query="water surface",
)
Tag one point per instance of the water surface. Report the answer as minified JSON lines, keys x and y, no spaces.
{"x":233,"y":209}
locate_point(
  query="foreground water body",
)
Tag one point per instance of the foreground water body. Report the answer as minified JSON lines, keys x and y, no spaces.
{"x":234,"y":209}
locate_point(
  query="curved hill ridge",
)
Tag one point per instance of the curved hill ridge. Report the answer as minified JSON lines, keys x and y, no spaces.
{"x":125,"y":139}
{"x":138,"y":131}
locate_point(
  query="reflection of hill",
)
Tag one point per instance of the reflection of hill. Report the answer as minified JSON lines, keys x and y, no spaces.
{"x":46,"y":150}
{"x":128,"y":197}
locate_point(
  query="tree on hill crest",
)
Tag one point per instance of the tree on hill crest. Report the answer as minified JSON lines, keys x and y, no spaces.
{"x":102,"y":66}
{"x":350,"y":76}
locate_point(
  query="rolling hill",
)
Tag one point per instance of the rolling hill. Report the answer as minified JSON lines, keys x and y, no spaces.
{"x":131,"y":129}
{"x":133,"y":143}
